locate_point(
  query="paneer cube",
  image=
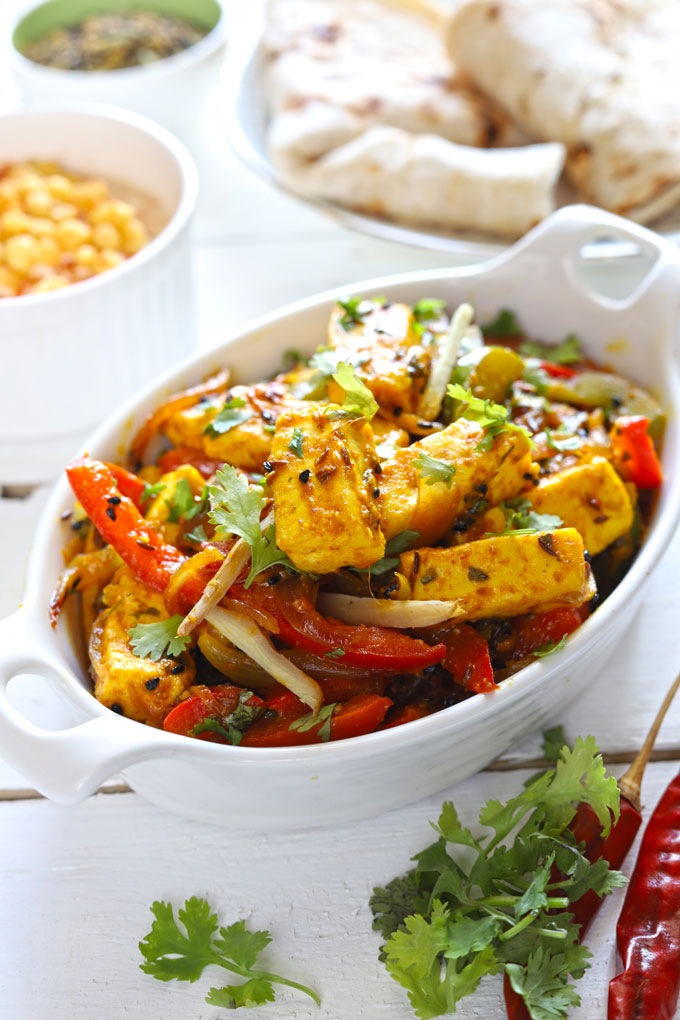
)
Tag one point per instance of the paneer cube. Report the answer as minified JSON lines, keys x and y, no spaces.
{"x":386,"y":352}
{"x":411,"y":502}
{"x":326,"y":495}
{"x":589,"y":497}
{"x":246,"y":441}
{"x":505,"y":576}
{"x":122,"y":678}
{"x":162,"y":509}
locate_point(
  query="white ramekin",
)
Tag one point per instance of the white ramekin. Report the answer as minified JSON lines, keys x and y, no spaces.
{"x":267,"y":788}
{"x":170,"y":91}
{"x":71,"y":356}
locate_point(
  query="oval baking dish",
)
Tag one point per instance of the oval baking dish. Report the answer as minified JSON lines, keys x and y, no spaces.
{"x":319,"y":784}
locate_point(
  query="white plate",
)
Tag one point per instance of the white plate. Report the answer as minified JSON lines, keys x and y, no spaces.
{"x":243,"y":120}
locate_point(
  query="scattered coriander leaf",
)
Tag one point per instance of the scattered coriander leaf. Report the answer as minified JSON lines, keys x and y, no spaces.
{"x":232,"y":414}
{"x":393,"y":548}
{"x":566,"y":353}
{"x":356,"y":309}
{"x":151,"y":640}
{"x":182,"y":501}
{"x":335,"y":653}
{"x":209,"y":725}
{"x":433,"y":471}
{"x":491,"y":416}
{"x":359,"y":402}
{"x":197,"y":535}
{"x":520,"y":519}
{"x":553,"y":742}
{"x":295,"y":445}
{"x":505,"y":324}
{"x":428,"y":308}
{"x":562,"y":445}
{"x":171,"y":953}
{"x":255,"y":992}
{"x":537,"y":377}
{"x":309,"y":721}
{"x":552,"y":646}
{"x":151,"y":491}
{"x":291,"y":359}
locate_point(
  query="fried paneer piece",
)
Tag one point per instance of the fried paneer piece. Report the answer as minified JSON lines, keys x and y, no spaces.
{"x":326,"y":495}
{"x":160,"y":510}
{"x":386,"y":352}
{"x":246,"y":442}
{"x":410,"y":502}
{"x":505,"y":576}
{"x":120,"y":676}
{"x":589,"y":497}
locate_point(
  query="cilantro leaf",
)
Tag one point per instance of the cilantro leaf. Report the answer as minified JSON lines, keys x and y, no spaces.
{"x":566,"y":353}
{"x":491,"y":416}
{"x":241,"y":946}
{"x":309,"y":721}
{"x":433,"y":471}
{"x":552,"y":646}
{"x":393,"y":903}
{"x":197,"y":535}
{"x":235,"y":509}
{"x":291,"y":359}
{"x":448,"y":826}
{"x":542,"y":982}
{"x":335,"y":653}
{"x":209,"y":725}
{"x":150,"y":640}
{"x":295,"y":445}
{"x":356,"y":309}
{"x":553,"y":742}
{"x":231,"y":415}
{"x":428,"y":308}
{"x":255,"y":992}
{"x":171,"y":953}
{"x":505,"y":324}
{"x":151,"y":491}
{"x":182,"y":505}
{"x":393,"y":548}
{"x":520,"y":519}
{"x":359,"y":402}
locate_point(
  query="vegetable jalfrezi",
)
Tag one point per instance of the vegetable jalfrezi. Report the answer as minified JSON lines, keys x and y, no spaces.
{"x":397,"y":523}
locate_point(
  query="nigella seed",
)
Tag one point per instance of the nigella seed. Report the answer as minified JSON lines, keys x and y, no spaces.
{"x":377,"y":470}
{"x":179,"y":668}
{"x":153,"y":683}
{"x":267,"y":467}
{"x":376,"y":493}
{"x":398,"y":411}
{"x":416,"y":562}
{"x":528,"y":477}
{"x":77,"y":525}
{"x":111,"y":512}
{"x":115,"y":707}
{"x":587,"y":557}
{"x":304,"y":475}
{"x":546,"y":543}
{"x":274,"y":579}
{"x":113,"y":500}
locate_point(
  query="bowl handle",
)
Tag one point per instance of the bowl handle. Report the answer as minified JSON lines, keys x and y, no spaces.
{"x":64,"y":765}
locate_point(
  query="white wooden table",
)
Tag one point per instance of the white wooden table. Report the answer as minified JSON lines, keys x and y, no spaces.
{"x":76,"y":884}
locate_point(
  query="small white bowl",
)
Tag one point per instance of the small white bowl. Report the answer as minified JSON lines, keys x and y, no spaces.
{"x":328,"y":784}
{"x":71,"y":355}
{"x":170,"y":91}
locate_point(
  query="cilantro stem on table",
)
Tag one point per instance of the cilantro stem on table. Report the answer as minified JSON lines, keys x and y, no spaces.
{"x":460,"y":915}
{"x":172,"y":953}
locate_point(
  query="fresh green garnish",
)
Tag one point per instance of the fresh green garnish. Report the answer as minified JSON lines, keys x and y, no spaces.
{"x":537,"y":376}
{"x":231,"y":415}
{"x":474,"y":906}
{"x":552,"y":646}
{"x":236,"y":723}
{"x":210,"y":725}
{"x":151,"y":491}
{"x":235,"y":509}
{"x":394,"y":546}
{"x":291,"y":359}
{"x":562,"y":445}
{"x":359,"y":402}
{"x":356,"y":309}
{"x":493,"y":417}
{"x":308,"y":721}
{"x":505,"y":324}
{"x":197,"y":535}
{"x":433,"y":471}
{"x":553,"y":742}
{"x":428,"y":308}
{"x":295,"y":445}
{"x":151,"y":640}
{"x":324,"y":363}
{"x":182,"y":505}
{"x":335,"y":653}
{"x":172,"y":953}
{"x":566,"y":353}
{"x":520,"y":519}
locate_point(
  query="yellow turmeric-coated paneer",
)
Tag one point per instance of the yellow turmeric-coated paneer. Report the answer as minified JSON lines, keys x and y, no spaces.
{"x":163,"y":509}
{"x":411,"y":500}
{"x":589,"y":497}
{"x":326,"y":495}
{"x":504,"y":576}
{"x":244,"y":436}
{"x":122,"y":678}
{"x":386,"y":352}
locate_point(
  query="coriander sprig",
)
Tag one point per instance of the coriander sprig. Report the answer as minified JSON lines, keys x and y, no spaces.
{"x":172,"y":953}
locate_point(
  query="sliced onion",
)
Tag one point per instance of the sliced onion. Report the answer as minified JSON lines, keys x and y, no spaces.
{"x":247,"y":636}
{"x":385,"y":612}
{"x":430,"y":402}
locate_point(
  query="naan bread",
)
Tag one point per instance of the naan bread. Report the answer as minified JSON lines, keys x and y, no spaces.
{"x":601,"y":76}
{"x":358,"y":90}
{"x":429,"y":181}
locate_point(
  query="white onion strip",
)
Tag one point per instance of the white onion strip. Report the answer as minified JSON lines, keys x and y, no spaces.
{"x":431,"y":400}
{"x":386,"y":613}
{"x":245,"y":634}
{"x":236,"y":560}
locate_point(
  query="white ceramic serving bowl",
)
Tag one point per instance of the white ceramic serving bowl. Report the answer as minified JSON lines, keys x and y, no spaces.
{"x":71,"y":356}
{"x":257,"y":788}
{"x":171,"y":91}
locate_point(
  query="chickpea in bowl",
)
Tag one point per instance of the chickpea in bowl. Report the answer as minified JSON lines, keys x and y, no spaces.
{"x":59,"y":228}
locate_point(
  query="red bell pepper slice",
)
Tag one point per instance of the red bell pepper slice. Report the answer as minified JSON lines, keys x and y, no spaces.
{"x":179,"y":455}
{"x":468,"y":661}
{"x":121,"y":525}
{"x":557,"y":371}
{"x":634,"y":452}
{"x":542,"y":629}
{"x":354,"y":718}
{"x":208,"y":703}
{"x":128,"y":484}
{"x":405,"y":714}
{"x":301,"y":626}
